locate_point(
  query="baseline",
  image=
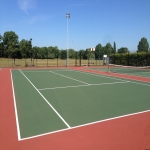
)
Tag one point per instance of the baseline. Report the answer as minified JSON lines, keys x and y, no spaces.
{"x":83,"y":125}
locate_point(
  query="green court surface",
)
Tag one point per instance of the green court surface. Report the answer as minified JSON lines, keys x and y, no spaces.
{"x":142,"y":73}
{"x":53,"y":100}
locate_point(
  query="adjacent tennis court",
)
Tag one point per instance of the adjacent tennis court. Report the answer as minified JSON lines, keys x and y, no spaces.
{"x":55,"y":100}
{"x":129,"y":70}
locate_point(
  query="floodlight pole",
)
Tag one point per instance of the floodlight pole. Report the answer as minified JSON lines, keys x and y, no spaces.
{"x":67,"y":60}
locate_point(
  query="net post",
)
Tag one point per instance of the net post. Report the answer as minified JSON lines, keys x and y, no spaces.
{"x":108,"y":59}
{"x":108,"y":68}
{"x":147,"y":58}
{"x":128,"y":58}
{"x":80,"y":58}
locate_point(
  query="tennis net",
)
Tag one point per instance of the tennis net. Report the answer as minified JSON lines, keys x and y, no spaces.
{"x":127,"y":69}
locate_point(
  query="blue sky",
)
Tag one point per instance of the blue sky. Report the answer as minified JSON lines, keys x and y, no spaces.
{"x":91,"y":22}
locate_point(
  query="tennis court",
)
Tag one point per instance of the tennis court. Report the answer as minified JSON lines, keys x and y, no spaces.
{"x":129,"y":70}
{"x":48,"y":101}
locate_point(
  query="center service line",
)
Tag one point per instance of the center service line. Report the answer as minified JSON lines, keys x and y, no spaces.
{"x":69,"y":77}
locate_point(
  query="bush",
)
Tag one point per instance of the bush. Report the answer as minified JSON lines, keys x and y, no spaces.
{"x":131,"y":59}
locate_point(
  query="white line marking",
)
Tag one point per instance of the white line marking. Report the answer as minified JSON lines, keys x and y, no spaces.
{"x":110,"y":83}
{"x":139,"y":83}
{"x":62,"y":87}
{"x":69,"y":77}
{"x":81,"y":86}
{"x":109,"y":119}
{"x":46,"y":100}
{"x":15,"y":107}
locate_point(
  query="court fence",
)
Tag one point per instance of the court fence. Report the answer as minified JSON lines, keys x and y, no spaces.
{"x":9,"y":62}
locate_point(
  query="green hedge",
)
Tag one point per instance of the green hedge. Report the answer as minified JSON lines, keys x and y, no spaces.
{"x":131,"y":59}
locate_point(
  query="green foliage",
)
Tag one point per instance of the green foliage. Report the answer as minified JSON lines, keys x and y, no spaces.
{"x":98,"y":49}
{"x":25,"y":47}
{"x":10,"y":41}
{"x":12,"y":48}
{"x":108,"y":49}
{"x":53,"y":52}
{"x":131,"y":59}
{"x":143,"y":45}
{"x":114,"y":48}
{"x":1,"y":49}
{"x":10,"y":38}
{"x":71,"y":53}
{"x":82,"y":54}
{"x":123,"y":50}
{"x":90,"y":54}
{"x":42,"y":53}
{"x":63,"y":54}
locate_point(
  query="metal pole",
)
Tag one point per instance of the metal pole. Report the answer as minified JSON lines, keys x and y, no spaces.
{"x":67,"y":60}
{"x":31,"y":50}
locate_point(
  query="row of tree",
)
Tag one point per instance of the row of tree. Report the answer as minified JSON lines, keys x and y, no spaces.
{"x":11,"y":47}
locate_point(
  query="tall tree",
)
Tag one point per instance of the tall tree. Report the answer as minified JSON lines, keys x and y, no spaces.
{"x":114,"y":48}
{"x":24,"y":46}
{"x":108,"y":49}
{"x":35,"y":52}
{"x":82,"y":53}
{"x":1,"y":47}
{"x":123,"y":50}
{"x":43,"y":52}
{"x":10,"y":40}
{"x":56,"y":52}
{"x":71,"y":53}
{"x":53,"y":52}
{"x":143,"y":45}
{"x":63,"y":54}
{"x":98,"y":51}
{"x":90,"y":54}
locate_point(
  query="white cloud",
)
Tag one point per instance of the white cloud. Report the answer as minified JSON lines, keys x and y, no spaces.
{"x":25,"y":5}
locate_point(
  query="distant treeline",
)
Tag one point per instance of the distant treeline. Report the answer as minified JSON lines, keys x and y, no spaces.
{"x":11,"y":47}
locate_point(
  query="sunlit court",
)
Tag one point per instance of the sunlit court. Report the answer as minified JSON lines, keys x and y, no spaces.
{"x":75,"y":75}
{"x":54,"y":100}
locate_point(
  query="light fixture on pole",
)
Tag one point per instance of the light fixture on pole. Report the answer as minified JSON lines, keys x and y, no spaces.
{"x":67,"y":60}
